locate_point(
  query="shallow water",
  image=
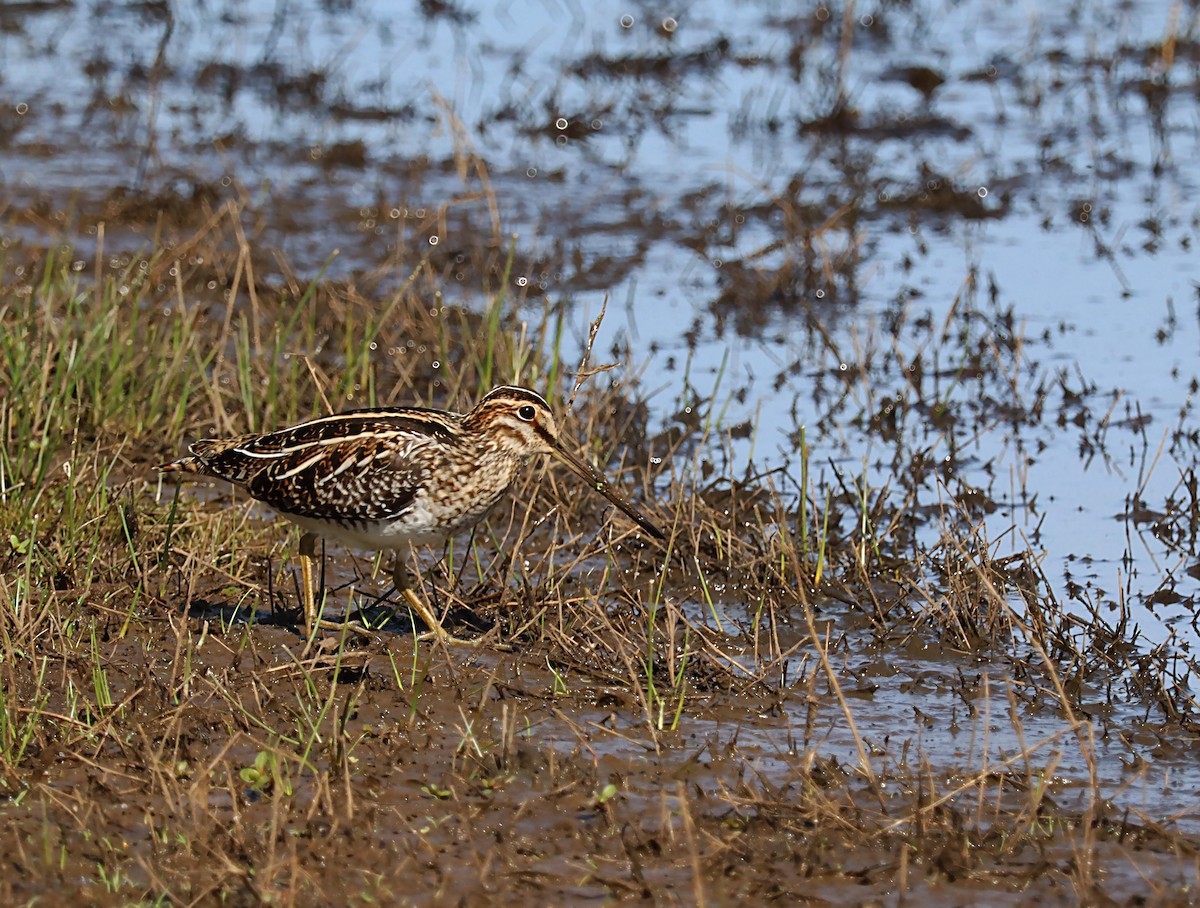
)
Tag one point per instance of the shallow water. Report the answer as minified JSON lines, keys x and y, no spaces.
{"x":637,"y":158}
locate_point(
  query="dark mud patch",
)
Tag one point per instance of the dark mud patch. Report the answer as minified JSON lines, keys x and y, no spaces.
{"x":223,"y":765}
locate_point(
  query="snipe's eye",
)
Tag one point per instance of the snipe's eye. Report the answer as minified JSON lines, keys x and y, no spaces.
{"x":527,"y":413}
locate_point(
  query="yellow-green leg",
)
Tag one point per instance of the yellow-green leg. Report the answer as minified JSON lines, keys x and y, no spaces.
{"x":403,"y":584}
{"x":312,"y":618}
{"x":308,"y":550}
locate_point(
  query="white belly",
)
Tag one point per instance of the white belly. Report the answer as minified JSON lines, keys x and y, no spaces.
{"x":371,"y":535}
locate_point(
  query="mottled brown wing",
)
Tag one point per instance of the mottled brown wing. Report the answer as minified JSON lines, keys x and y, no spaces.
{"x":364,"y":465}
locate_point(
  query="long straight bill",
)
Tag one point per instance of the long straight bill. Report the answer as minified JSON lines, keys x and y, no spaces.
{"x":593,"y":478}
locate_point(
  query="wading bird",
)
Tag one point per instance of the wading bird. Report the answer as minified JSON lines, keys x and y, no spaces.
{"x":392,"y":478}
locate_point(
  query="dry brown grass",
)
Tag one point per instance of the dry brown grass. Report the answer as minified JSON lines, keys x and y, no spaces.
{"x":709,"y":720}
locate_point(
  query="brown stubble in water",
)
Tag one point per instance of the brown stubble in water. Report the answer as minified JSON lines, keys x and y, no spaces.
{"x":670,"y":710}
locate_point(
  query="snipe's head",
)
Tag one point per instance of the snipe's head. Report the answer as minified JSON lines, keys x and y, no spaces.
{"x":515,"y":420}
{"x":519,"y":422}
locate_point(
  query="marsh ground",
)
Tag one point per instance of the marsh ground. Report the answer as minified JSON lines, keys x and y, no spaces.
{"x":924,"y":625}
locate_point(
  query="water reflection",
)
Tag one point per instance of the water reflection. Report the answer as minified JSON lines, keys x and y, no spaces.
{"x":957,"y":229}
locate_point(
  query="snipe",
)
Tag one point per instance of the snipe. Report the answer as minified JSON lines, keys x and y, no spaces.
{"x":393,"y":478}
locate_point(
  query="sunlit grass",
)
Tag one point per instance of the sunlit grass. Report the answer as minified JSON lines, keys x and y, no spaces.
{"x":144,"y":637}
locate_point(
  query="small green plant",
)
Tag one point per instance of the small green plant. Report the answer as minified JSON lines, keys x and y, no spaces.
{"x":113,"y":880}
{"x":560,"y":688}
{"x":439,"y":792}
{"x":104,"y":701}
{"x":20,"y":720}
{"x":264,"y":774}
{"x":605,"y":794}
